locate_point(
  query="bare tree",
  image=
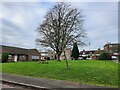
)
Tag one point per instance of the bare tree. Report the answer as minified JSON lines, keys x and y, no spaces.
{"x":61,"y":26}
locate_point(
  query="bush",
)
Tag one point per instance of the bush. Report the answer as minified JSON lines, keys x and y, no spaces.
{"x":5,"y":57}
{"x":48,"y":58}
{"x":104,"y":56}
{"x":85,"y":57}
{"x":35,"y":59}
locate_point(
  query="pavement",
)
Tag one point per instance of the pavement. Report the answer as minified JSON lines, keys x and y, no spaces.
{"x":42,"y":83}
{"x":5,"y":86}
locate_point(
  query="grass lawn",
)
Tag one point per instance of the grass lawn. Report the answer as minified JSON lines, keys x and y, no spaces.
{"x":103,"y":73}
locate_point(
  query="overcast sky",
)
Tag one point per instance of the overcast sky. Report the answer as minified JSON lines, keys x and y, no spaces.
{"x":20,"y":20}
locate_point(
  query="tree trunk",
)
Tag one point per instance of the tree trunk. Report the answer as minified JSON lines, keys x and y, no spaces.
{"x":66,"y":60}
{"x":58,"y":56}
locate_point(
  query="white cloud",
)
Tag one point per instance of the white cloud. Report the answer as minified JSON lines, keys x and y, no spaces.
{"x":19,"y":19}
{"x":20,"y":23}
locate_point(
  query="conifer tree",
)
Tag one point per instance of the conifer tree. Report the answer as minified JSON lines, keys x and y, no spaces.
{"x":75,"y":51}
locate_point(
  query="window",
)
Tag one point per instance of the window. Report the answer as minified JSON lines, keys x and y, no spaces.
{"x":10,"y":57}
{"x":110,"y":45}
{"x":35,"y":57}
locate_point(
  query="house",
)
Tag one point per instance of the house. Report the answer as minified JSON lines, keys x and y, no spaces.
{"x":52,"y":55}
{"x":67,"y":53}
{"x":20,"y":54}
{"x":44,"y":55}
{"x":48,"y":54}
{"x":113,"y":49}
{"x":92,"y":54}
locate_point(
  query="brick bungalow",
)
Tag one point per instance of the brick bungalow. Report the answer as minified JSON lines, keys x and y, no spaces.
{"x":20,"y":54}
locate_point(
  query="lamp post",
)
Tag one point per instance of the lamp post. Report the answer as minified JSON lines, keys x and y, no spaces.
{"x":89,"y":50}
{"x":89,"y":46}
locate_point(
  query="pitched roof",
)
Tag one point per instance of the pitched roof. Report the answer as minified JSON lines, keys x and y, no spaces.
{"x":15,"y":50}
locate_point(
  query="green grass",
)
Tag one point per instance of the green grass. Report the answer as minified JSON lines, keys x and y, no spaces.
{"x":103,"y":73}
